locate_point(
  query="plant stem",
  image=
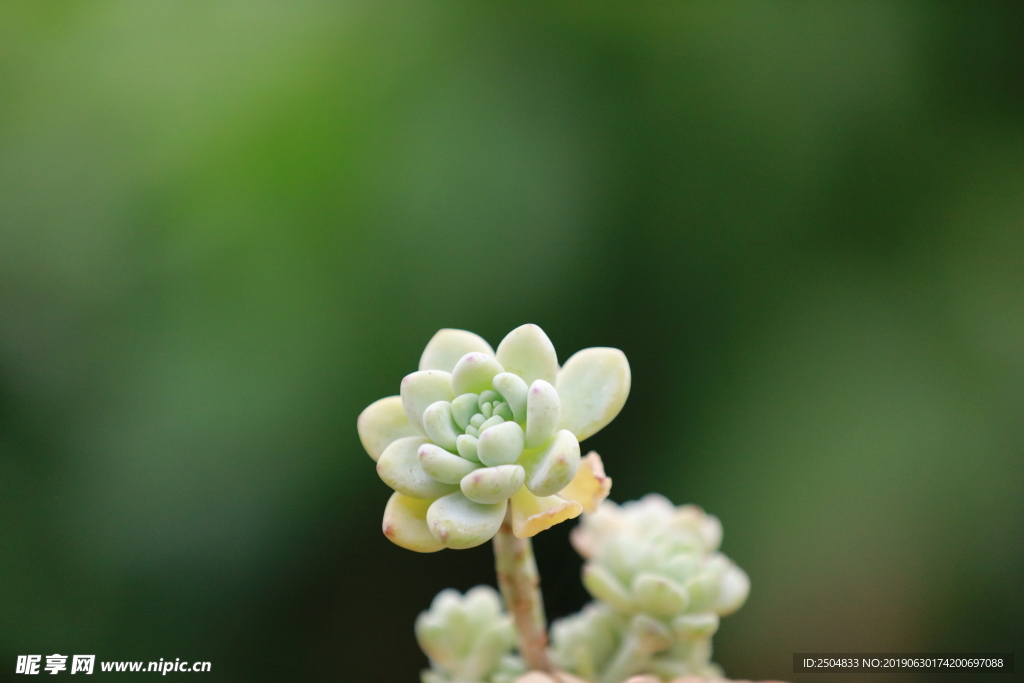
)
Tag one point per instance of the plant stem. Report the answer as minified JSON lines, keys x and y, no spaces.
{"x":520,"y":586}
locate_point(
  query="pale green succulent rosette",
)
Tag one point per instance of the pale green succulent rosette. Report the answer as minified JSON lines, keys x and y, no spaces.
{"x":662,"y":587}
{"x":474,"y":432}
{"x":468,"y":639}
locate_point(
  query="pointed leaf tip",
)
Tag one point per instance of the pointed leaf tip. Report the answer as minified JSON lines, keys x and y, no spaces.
{"x":447,"y":346}
{"x":527,"y":352}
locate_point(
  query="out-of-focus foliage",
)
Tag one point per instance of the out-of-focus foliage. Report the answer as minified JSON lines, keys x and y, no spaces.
{"x":660,"y":586}
{"x":226,"y":227}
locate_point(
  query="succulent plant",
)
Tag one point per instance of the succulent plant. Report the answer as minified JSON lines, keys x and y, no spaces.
{"x":662,"y":586}
{"x":468,"y":638}
{"x":474,"y":433}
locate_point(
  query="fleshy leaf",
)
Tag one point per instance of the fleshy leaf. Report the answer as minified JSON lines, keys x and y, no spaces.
{"x":503,"y":411}
{"x":591,"y":485}
{"x":466,"y":637}
{"x":532,"y":515}
{"x":439,"y":425}
{"x":482,"y":605}
{"x":501,"y":444}
{"x":651,"y":634}
{"x":382,"y":422}
{"x":447,"y":346}
{"x":703,"y":590}
{"x":695,"y":626}
{"x":399,"y":467}
{"x":529,"y":353}
{"x":514,"y":389}
{"x":492,"y":484}
{"x":467,"y":447}
{"x":593,"y":386}
{"x":420,"y":389}
{"x":550,"y":469}
{"x":603,"y":585}
{"x":733,"y":589}
{"x":464,"y":407}
{"x":458,"y":522}
{"x":493,"y":421}
{"x":474,"y":373}
{"x":543,"y":408}
{"x":443,"y":466}
{"x":405,"y":524}
{"x":658,"y":595}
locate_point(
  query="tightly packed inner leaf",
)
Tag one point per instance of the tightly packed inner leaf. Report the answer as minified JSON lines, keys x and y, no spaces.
{"x":481,"y":429}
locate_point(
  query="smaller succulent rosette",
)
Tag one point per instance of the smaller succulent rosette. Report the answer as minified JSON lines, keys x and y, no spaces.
{"x":652,"y":557}
{"x":475,"y":433}
{"x":468,"y":639}
{"x":661,"y":586}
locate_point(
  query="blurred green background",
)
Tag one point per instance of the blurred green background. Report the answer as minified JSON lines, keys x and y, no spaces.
{"x":227,"y":227}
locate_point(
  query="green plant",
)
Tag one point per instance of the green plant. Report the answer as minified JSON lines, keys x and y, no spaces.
{"x":484,"y":445}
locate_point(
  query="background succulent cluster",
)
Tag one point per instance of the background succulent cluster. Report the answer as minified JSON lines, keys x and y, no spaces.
{"x":660,"y":586}
{"x":468,"y":639}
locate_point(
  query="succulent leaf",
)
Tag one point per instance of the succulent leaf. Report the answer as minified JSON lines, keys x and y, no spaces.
{"x":703,"y":591}
{"x":492,"y":421}
{"x":458,"y":522}
{"x":493,"y":484}
{"x":554,"y":466}
{"x":543,"y":409}
{"x":405,"y":524}
{"x":464,"y":407}
{"x":439,"y":425}
{"x":591,"y":485}
{"x":399,"y":467}
{"x":501,"y":444}
{"x":443,"y":466}
{"x":447,"y":346}
{"x":474,"y":373}
{"x":659,"y":595}
{"x":532,"y":515}
{"x":604,"y":586}
{"x":695,"y":626}
{"x":468,"y":639}
{"x":527,"y":352}
{"x":733,"y":589}
{"x":422,"y":388}
{"x":468,"y":447}
{"x":382,"y":422}
{"x":593,"y":385}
